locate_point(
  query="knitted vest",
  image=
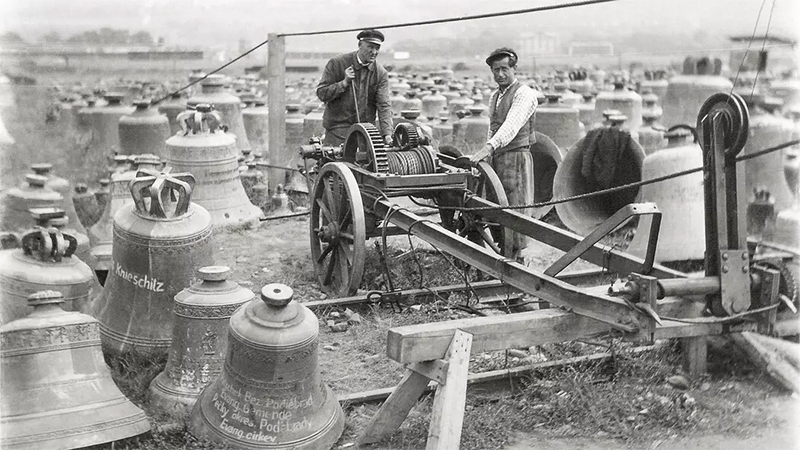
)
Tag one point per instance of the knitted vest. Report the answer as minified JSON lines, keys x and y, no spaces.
{"x":525,"y":137}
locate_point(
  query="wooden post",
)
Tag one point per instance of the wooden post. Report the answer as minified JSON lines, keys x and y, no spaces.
{"x":276,"y":102}
{"x":695,"y":353}
{"x":447,"y":416}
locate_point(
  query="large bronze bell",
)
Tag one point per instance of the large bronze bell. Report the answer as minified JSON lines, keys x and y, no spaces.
{"x":681,"y":202}
{"x":45,"y":262}
{"x":199,"y":339}
{"x":270,"y":394}
{"x":210,"y":154}
{"x":101,"y":234}
{"x":17,"y":201}
{"x":57,"y":389}
{"x":157,"y":249}
{"x":583,"y":216}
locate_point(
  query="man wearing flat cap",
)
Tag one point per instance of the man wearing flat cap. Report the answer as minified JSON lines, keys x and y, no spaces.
{"x":354,"y":88}
{"x":511,"y":135}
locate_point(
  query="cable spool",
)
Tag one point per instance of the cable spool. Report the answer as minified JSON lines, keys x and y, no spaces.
{"x":416,"y":161}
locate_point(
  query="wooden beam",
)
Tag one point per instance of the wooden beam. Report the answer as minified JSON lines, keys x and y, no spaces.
{"x":423,"y":342}
{"x":447,"y":415}
{"x":276,"y":102}
{"x":395,"y":409}
{"x":491,"y":376}
{"x":771,"y":361}
{"x":435,"y":370}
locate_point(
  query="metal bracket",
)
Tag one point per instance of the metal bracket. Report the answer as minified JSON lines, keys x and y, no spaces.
{"x":734,"y":280}
{"x":612,"y":223}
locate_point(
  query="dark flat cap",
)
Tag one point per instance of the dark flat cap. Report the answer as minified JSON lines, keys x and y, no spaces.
{"x":500,"y":53}
{"x":374,"y":36}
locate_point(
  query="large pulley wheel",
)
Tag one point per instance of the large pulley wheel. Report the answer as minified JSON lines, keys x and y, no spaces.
{"x":470,"y":224}
{"x":364,"y":147}
{"x":338,"y":233}
{"x":735,"y":116}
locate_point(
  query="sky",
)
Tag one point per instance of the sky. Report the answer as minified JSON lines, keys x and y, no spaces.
{"x":224,"y":22}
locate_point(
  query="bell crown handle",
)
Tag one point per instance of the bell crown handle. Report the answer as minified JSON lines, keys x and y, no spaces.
{"x":200,"y":119}
{"x":48,"y":244}
{"x":153,"y":185}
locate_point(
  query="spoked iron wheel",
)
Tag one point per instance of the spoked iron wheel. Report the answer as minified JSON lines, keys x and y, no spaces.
{"x":470,"y":224}
{"x":338,"y":236}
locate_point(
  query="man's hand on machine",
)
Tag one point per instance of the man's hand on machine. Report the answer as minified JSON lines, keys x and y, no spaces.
{"x":388,"y":140}
{"x":483,"y":153}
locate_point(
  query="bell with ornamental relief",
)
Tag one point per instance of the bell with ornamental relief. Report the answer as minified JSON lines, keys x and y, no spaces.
{"x":157,"y":248}
{"x":57,"y":389}
{"x":199,"y":339}
{"x":270,"y":394}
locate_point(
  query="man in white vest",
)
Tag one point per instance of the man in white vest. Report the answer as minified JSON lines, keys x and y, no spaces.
{"x":511,"y":135}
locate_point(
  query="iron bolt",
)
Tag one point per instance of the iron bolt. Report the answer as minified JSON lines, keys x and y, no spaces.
{"x":744,"y":269}
{"x":744,"y":256}
{"x":725,"y":256}
{"x":725,"y":268}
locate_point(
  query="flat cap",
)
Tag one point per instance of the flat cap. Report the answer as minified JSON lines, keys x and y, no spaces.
{"x":374,"y":36}
{"x":500,"y":53}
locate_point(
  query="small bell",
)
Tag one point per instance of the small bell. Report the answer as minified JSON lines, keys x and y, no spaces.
{"x":270,"y":393}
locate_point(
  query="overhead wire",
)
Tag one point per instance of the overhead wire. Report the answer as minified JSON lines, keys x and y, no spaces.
{"x":455,"y":19}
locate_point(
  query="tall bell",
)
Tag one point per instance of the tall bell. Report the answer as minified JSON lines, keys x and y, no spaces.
{"x":680,"y":200}
{"x":103,"y":124}
{"x":686,"y":93}
{"x":623,"y":100}
{"x":157,"y":249}
{"x":85,"y":204}
{"x":270,"y":393}
{"x":210,"y":154}
{"x":256,"y":125}
{"x":17,"y":201}
{"x":577,"y":174}
{"x":199,"y":340}
{"x":228,"y":105}
{"x":63,"y":187}
{"x":558,"y":121}
{"x":171,"y":108}
{"x":144,"y":131}
{"x":766,"y":171}
{"x":45,"y":261}
{"x":57,"y":389}
{"x":473,"y":132}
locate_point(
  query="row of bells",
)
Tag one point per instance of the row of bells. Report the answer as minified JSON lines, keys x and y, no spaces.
{"x":159,"y":238}
{"x":241,"y":373}
{"x":141,"y":128}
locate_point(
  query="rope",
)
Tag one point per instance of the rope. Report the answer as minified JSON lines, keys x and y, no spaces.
{"x":456,"y":19}
{"x":722,"y":319}
{"x":620,"y":187}
{"x":271,"y":166}
{"x":211,"y":73}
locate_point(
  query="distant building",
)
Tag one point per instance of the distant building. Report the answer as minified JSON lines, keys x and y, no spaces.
{"x":591,"y":49}
{"x":537,"y":44}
